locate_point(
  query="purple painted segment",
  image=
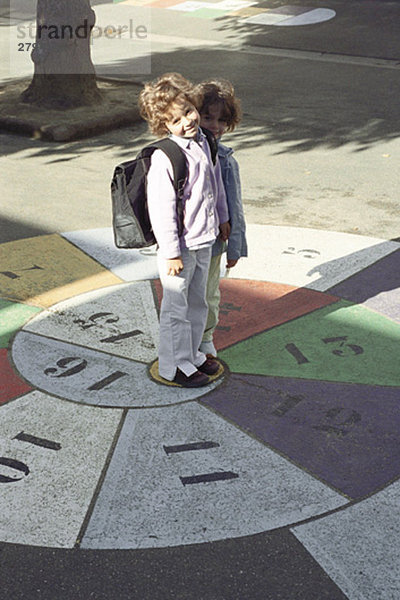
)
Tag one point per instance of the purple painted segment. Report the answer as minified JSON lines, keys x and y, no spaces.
{"x":347,"y":435}
{"x":377,"y":286}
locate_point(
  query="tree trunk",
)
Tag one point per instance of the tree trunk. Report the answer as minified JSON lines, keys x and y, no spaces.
{"x":64,"y":75}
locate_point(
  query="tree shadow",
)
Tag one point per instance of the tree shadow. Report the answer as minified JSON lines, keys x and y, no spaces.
{"x":299,"y":105}
{"x":13,"y":229}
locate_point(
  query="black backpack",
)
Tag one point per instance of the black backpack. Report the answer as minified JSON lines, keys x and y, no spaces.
{"x":131,"y":222}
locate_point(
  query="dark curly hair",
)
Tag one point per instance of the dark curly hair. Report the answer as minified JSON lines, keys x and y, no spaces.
{"x":220,"y":91}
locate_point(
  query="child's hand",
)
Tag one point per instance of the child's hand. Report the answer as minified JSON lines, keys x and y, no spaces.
{"x":225,"y":230}
{"x":174,"y":266}
{"x":231,"y":262}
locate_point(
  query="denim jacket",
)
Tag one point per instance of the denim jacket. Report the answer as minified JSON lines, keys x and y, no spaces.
{"x":237,"y":245}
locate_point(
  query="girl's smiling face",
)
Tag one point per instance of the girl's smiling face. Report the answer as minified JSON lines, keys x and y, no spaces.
{"x":213,"y":118}
{"x":183,"y":119}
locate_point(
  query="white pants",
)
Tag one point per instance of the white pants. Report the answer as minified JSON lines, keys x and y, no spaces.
{"x":183,"y":314}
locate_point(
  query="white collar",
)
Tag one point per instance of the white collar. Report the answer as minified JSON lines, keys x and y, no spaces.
{"x":185,"y":142}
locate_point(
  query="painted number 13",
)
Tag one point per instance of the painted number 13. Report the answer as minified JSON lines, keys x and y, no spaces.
{"x":342,"y":349}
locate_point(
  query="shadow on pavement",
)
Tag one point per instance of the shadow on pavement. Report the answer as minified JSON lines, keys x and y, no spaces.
{"x":12,"y":229}
{"x":303,"y":104}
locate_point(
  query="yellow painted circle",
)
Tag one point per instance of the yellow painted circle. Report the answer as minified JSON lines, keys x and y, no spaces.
{"x":154,"y":374}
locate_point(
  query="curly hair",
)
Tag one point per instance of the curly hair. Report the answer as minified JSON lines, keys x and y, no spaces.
{"x":220,"y":91}
{"x":157,"y":96}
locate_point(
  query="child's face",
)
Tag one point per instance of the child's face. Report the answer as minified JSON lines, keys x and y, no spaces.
{"x":213,"y":119}
{"x":183,"y":119}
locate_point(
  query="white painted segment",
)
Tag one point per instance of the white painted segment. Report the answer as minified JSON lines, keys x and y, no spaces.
{"x":129,"y":265}
{"x":359,"y":547}
{"x":288,"y":16}
{"x":143,"y":503}
{"x":309,"y":258}
{"x":318,"y":15}
{"x":92,"y":377}
{"x":47,"y":506}
{"x":121,"y":320}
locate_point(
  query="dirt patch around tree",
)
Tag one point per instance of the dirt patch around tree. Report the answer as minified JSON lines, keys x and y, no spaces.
{"x":118,"y":109}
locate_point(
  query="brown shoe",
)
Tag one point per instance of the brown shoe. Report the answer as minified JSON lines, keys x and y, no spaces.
{"x":197,"y":379}
{"x":209,"y":367}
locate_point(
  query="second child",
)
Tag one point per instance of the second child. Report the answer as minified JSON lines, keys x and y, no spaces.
{"x":220,"y":112}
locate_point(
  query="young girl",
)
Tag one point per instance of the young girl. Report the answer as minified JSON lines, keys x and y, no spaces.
{"x":220,"y":112}
{"x":169,"y":106}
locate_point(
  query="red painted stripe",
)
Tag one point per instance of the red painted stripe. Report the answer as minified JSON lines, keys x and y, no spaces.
{"x":11,"y":385}
{"x":250,"y":307}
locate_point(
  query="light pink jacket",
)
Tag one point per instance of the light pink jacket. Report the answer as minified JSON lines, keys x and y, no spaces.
{"x":205,"y":205}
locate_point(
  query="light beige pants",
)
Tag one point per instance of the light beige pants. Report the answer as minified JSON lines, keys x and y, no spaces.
{"x":213,"y":299}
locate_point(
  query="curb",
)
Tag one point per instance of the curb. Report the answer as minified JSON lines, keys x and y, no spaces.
{"x":81,"y":127}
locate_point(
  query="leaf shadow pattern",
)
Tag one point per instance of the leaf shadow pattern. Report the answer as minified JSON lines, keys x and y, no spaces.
{"x":295,"y":105}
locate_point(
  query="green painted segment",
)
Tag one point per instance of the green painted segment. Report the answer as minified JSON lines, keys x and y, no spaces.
{"x":342,"y":342}
{"x":12,"y":316}
{"x":206,"y":13}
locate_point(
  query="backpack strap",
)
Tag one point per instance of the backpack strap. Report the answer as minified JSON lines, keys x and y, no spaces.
{"x":180,"y":169}
{"x":212,"y":142}
{"x":178,"y":161}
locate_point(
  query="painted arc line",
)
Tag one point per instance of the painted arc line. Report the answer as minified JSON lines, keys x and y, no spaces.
{"x":143,"y":504}
{"x":358,"y":547}
{"x":121,"y":320}
{"x":48,"y":506}
{"x":347,"y":435}
{"x":80,"y":374}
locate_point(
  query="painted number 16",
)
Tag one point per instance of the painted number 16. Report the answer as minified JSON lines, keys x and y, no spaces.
{"x":72,"y":365}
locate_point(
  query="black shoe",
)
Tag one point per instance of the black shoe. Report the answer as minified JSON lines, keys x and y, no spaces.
{"x":197,"y":379}
{"x":209,"y":367}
